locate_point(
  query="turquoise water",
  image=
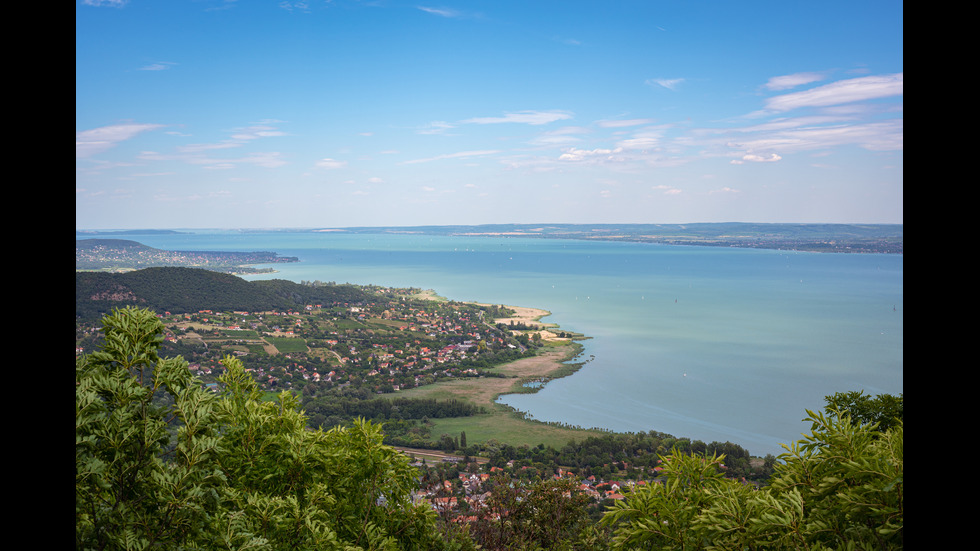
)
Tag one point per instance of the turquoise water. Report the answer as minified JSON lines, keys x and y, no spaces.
{"x":710,"y":343}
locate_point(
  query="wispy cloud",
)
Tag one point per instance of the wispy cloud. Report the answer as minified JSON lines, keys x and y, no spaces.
{"x":443,"y":12}
{"x":523,"y":117}
{"x":295,"y":6}
{"x":331,"y":164}
{"x":535,"y":118}
{"x":240,"y":137}
{"x":159,"y":66}
{"x":264,"y":159}
{"x":648,"y":138}
{"x":623,"y":123}
{"x":786,"y":82}
{"x":751,"y":158}
{"x":564,"y":135}
{"x":591,"y":155}
{"x":458,"y":155}
{"x":668,"y":83}
{"x":436,"y":127}
{"x":98,"y":140}
{"x":667,"y":190}
{"x":844,"y":91}
{"x":108,"y":3}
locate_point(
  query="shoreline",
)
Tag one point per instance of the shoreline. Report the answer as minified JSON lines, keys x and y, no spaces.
{"x":556,"y":358}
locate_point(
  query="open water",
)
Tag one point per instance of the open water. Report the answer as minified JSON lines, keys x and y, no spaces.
{"x":708,"y":343}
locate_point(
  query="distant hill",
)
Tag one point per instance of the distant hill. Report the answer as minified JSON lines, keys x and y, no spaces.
{"x":127,"y":232}
{"x":838,"y":238}
{"x":182,"y":290}
{"x":119,"y":255}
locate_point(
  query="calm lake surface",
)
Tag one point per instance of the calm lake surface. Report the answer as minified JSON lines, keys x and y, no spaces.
{"x":708,"y":343}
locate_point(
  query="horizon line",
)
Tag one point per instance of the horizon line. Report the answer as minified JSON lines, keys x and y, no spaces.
{"x":340,"y":228}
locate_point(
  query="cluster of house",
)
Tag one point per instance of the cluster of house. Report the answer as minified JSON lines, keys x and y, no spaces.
{"x":468,"y":498}
{"x":403,"y":366}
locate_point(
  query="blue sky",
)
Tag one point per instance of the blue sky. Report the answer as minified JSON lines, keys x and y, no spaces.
{"x":228,"y":114}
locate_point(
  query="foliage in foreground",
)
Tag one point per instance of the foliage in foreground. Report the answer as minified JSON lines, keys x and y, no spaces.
{"x":841,"y":487}
{"x":162,"y":463}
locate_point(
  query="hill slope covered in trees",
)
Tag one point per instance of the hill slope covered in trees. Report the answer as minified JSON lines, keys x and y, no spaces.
{"x":183,"y":290}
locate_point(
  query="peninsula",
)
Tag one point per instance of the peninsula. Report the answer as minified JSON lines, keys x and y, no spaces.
{"x":121,"y":255}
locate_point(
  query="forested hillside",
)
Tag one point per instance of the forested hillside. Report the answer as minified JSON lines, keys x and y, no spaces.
{"x":182,"y":290}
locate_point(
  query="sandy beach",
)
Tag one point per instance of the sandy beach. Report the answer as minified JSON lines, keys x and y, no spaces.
{"x":531,"y":317}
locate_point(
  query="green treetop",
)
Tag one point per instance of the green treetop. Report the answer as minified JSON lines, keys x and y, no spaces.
{"x":161,"y":463}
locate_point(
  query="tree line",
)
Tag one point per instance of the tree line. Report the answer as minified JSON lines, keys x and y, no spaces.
{"x":185,"y":290}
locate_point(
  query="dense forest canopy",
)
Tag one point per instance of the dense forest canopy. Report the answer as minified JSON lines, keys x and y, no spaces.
{"x":183,"y":290}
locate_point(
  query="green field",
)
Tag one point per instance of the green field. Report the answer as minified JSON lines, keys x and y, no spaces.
{"x":286,"y":345}
{"x":501,"y":423}
{"x":240,"y":334}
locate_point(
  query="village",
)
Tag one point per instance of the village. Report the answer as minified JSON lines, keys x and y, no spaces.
{"x":466,"y":492}
{"x":341,"y":355}
{"x":385,"y":346}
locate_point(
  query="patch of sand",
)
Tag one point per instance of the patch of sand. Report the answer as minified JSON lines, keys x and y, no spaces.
{"x":531,"y":317}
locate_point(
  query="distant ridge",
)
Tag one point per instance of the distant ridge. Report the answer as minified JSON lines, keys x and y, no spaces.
{"x":185,"y":290}
{"x":117,"y":255}
{"x":852,"y":238}
{"x":126,"y":232}
{"x":839,"y":238}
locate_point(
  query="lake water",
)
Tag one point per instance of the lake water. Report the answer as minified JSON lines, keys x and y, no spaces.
{"x":709,"y":343}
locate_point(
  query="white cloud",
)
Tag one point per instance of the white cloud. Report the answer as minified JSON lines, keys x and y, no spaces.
{"x":294,"y":6}
{"x":200,"y":147}
{"x":844,"y":91}
{"x":444,"y":12}
{"x":667,"y":190}
{"x":648,"y":138}
{"x":160,"y":66}
{"x":256,"y":132}
{"x":436,"y":127}
{"x":263,"y":159}
{"x":786,"y":82}
{"x":668,"y":83}
{"x":573,"y":154}
{"x":238,"y":139}
{"x":459,"y":155}
{"x":330,"y":163}
{"x":639,"y":142}
{"x":110,"y":3}
{"x":272,"y":159}
{"x":752,"y":158}
{"x":623,"y":123}
{"x":873,"y":136}
{"x":523,"y":117}
{"x":450,"y":13}
{"x":98,"y":140}
{"x":564,"y":135}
